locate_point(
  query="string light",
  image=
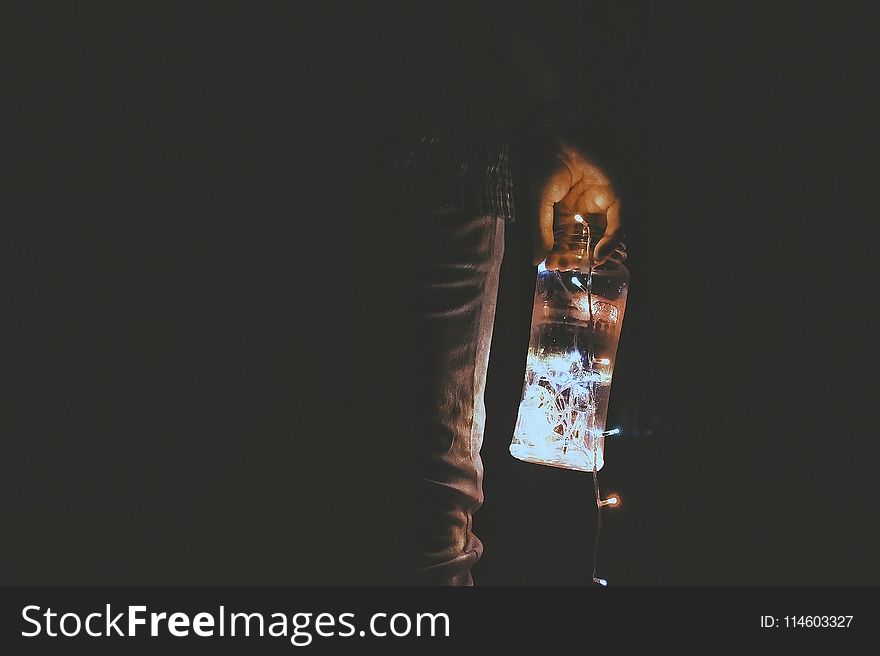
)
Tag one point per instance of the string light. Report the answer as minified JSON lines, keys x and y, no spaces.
{"x":557,"y":421}
{"x":600,"y":502}
{"x":612,"y":501}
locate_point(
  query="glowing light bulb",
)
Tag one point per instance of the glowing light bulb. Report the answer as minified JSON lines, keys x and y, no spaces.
{"x":576,"y":281}
{"x":603,"y":361}
{"x":610,"y":501}
{"x":609,"y":433}
{"x":578,"y":218}
{"x":601,"y":582}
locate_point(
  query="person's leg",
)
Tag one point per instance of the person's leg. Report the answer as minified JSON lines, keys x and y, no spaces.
{"x":423,"y":306}
{"x":452,"y":296}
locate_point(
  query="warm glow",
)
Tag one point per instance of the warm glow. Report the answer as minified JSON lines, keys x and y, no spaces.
{"x":612,"y":501}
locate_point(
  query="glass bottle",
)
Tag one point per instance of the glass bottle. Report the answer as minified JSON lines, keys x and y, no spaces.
{"x":576,"y":321}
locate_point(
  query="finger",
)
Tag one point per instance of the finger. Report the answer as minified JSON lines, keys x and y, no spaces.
{"x":613,"y":235}
{"x":617,"y":255}
{"x":553,"y":190}
{"x":612,"y":216}
{"x":542,"y":237}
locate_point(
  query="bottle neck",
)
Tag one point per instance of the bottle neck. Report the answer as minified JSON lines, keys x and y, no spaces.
{"x":576,"y":235}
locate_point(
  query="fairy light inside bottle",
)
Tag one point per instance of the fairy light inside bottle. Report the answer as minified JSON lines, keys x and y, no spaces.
{"x":562,"y":411}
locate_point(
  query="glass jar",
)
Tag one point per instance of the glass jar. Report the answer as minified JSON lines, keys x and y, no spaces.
{"x":576,"y":321}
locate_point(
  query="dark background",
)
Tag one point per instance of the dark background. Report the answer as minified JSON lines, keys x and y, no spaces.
{"x":743,"y":379}
{"x":176,"y":193}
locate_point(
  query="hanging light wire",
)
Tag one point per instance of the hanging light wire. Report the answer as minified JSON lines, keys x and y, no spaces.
{"x":611,"y":501}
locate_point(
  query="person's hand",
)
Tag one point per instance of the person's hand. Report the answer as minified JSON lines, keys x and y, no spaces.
{"x":566,"y":182}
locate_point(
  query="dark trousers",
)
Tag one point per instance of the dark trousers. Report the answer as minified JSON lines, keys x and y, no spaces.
{"x":452,"y":309}
{"x":422,"y":292}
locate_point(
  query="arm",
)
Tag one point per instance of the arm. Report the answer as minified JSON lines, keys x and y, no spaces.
{"x":543,"y":44}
